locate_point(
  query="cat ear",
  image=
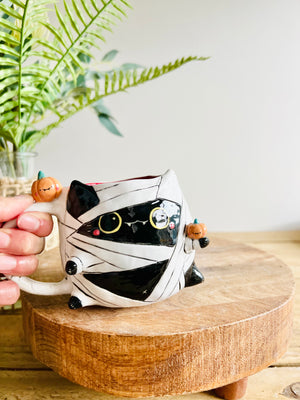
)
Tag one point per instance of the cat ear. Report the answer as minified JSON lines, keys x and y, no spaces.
{"x":81,"y":198}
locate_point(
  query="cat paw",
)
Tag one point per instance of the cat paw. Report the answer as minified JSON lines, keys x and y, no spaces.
{"x":204,"y":242}
{"x":74,"y":303}
{"x":193,"y":276}
{"x":71,"y":267}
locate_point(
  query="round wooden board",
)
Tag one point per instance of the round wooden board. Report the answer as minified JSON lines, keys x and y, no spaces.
{"x":236,"y":323}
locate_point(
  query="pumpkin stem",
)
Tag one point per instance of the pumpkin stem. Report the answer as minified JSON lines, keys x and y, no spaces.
{"x":41,"y":175}
{"x":196,"y":221}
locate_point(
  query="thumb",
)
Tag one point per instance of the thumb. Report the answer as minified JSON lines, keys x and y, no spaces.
{"x":41,"y":224}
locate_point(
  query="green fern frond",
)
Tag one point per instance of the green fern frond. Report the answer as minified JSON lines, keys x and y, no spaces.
{"x":17,"y":41}
{"x":61,"y":56}
{"x":115,"y":81}
{"x":43,"y":65}
{"x":79,"y":27}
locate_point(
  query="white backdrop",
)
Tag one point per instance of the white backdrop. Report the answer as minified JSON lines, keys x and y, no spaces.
{"x":228,"y":126}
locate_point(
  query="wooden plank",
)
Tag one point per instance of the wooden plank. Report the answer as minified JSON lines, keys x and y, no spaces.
{"x":241,"y":314}
{"x":15,"y":353}
{"x":289,"y":252}
{"x":266,"y":385}
{"x":286,"y":246}
{"x":257,"y":237}
{"x":269,"y":384}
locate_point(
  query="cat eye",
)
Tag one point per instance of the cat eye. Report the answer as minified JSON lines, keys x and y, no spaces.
{"x":110,"y":223}
{"x":159,"y":218}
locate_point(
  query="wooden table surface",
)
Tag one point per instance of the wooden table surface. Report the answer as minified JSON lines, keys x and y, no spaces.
{"x":22,"y":377}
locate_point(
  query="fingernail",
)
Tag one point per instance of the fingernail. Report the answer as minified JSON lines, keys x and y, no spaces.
{"x":4,"y":240}
{"x":7,"y":264}
{"x":28,"y":223}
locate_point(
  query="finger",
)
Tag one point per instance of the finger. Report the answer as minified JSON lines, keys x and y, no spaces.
{"x":36,"y":222}
{"x":20,"y":243}
{"x":18,"y":265}
{"x":9,"y":293}
{"x":12,"y":223}
{"x":11,"y":207}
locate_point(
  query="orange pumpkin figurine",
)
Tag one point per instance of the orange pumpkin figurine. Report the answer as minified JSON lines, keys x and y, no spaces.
{"x":45,"y":188}
{"x":197,"y":231}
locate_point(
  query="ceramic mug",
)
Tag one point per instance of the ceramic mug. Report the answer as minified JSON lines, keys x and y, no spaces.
{"x":122,"y":244}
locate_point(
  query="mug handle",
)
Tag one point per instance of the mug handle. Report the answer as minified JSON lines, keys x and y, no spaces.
{"x":37,"y":287}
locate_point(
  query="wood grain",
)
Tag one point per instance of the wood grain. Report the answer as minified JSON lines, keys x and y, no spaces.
{"x":236,"y":323}
{"x":289,"y":251}
{"x":28,"y":383}
{"x":268,"y":384}
{"x":14,"y":352}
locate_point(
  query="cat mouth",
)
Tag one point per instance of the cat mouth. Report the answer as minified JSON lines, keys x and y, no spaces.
{"x":135,"y":222}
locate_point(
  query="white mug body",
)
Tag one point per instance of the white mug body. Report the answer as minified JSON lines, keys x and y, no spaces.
{"x":123,"y":243}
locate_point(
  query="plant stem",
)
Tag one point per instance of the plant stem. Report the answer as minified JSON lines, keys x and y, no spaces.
{"x":10,"y":159}
{"x":20,"y":60}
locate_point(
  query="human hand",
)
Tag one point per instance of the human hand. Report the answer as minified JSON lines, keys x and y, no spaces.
{"x":19,"y":244}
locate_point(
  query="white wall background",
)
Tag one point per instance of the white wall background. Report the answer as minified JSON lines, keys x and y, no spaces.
{"x":229,"y":126}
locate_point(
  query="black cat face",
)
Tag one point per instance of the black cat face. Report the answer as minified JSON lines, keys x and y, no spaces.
{"x":153,"y":223}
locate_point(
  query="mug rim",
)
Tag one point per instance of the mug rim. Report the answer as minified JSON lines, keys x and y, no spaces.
{"x":124,"y":180}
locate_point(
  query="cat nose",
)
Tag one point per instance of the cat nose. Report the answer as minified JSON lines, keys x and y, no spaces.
{"x":73,"y":266}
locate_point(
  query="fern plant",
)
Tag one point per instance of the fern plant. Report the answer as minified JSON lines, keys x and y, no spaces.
{"x":45,"y":67}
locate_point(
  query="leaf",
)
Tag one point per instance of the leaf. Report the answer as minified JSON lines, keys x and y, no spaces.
{"x":100,"y":108}
{"x":79,"y":13}
{"x":127,"y":66}
{"x":89,"y":41}
{"x":50,"y":46}
{"x":109,"y":56}
{"x":108,"y":124}
{"x":10,"y":11}
{"x":7,"y":50}
{"x":85,"y":58}
{"x":63,"y":24}
{"x":94,"y":5}
{"x":86,"y":8}
{"x":46,"y":54}
{"x":8,"y":61}
{"x":8,"y":116}
{"x":10,"y":94}
{"x":54,"y":31}
{"x":8,"y":25}
{"x":27,"y":135}
{"x":120,"y":9}
{"x":72,"y":20}
{"x":126,"y":3}
{"x":18,"y":3}
{"x":8,"y":38}
{"x":97,"y":35}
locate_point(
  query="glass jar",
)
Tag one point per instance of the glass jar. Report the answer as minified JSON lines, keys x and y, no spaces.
{"x":17,"y":171}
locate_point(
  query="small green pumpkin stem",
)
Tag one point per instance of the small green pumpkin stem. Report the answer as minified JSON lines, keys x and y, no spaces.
{"x":41,"y":175}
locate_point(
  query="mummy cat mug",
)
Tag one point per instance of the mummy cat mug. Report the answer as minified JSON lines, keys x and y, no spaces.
{"x":122,"y":244}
